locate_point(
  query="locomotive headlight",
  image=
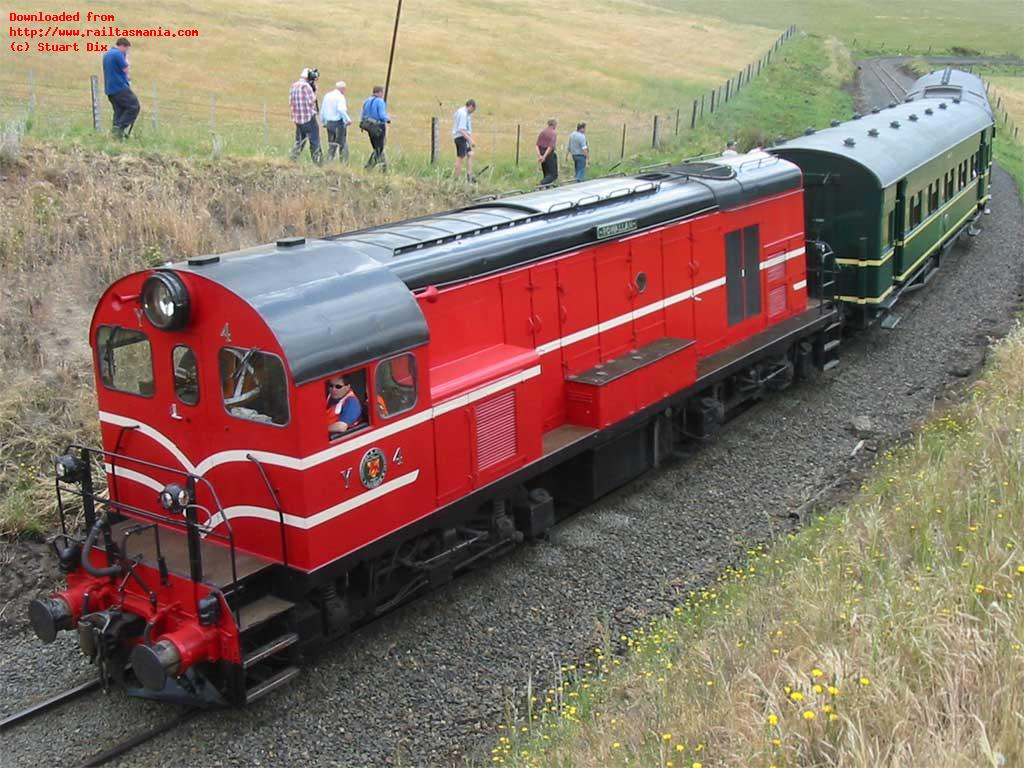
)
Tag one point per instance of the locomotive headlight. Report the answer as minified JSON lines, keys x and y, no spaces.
{"x":165,"y":301}
{"x":69,"y":468}
{"x":173,"y":496}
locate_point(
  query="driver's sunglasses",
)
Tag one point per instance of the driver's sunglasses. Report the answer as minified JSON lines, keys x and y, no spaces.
{"x":338,"y":386}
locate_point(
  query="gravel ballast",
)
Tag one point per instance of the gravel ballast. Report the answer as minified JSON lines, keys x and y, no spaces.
{"x":426,"y":686}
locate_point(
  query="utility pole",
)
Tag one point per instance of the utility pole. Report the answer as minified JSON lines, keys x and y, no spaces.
{"x":391,"y":57}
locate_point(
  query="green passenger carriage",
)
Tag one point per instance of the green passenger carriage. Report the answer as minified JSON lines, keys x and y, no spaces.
{"x":889,"y":190}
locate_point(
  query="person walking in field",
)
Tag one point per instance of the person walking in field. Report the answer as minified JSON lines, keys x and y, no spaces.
{"x":302,"y":98}
{"x":118,"y":88}
{"x":546,"y":155}
{"x":334,"y":114}
{"x":579,"y":150}
{"x":462,"y":134}
{"x":374,"y":121}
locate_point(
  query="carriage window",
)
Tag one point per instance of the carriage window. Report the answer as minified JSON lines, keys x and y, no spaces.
{"x":949,"y":186}
{"x":915,"y":210}
{"x":126,"y":360}
{"x":396,"y":385}
{"x":890,"y":234}
{"x":346,"y":404}
{"x":186,"y":375}
{"x":933,"y":197}
{"x":253,"y":385}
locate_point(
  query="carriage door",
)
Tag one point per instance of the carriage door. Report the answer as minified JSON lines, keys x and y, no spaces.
{"x":743,"y":273}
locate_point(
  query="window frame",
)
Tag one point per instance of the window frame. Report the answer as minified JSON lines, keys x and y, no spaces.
{"x":284,"y":371}
{"x":916,"y":206}
{"x":99,"y":362}
{"x":174,"y":378}
{"x":416,"y":385}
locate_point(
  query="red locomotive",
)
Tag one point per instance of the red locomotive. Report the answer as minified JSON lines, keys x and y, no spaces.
{"x":298,"y":437}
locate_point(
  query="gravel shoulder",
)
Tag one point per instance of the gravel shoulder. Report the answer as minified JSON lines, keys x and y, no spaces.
{"x":427,"y":685}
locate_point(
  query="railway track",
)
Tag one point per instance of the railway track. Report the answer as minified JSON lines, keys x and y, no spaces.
{"x":887,"y":79}
{"x":106,"y":755}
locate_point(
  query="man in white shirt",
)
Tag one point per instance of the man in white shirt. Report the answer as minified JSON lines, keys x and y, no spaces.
{"x":334,"y":116}
{"x":462,"y":133}
{"x":730,"y":149}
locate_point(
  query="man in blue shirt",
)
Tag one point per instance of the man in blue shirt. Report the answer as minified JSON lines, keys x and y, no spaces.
{"x":118,"y":88}
{"x":374,"y":121}
{"x":344,"y":411}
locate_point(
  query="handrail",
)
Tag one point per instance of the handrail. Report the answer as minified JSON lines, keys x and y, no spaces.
{"x":277,"y":506}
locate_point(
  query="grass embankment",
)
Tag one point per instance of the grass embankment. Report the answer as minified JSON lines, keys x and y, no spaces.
{"x":72,"y":222}
{"x":888,"y":633}
{"x":608,"y":62}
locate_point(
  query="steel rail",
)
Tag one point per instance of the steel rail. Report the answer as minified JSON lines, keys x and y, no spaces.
{"x":47,"y":704}
{"x":874,"y":68}
{"x":128,"y":744}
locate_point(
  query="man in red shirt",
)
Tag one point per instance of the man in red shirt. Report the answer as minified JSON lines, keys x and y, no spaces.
{"x":546,"y":154}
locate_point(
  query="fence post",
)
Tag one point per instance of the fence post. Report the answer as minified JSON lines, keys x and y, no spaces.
{"x":728,"y":84}
{"x":758,"y":68}
{"x":677,"y":121}
{"x":433,"y":140}
{"x":654,"y":134}
{"x":701,"y":106}
{"x":712,"y":109}
{"x":519,"y":135}
{"x":622,"y":151}
{"x":693,"y":117}
{"x":94,"y":88}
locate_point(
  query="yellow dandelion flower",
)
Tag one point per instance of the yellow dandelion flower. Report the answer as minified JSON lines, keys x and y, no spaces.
{"x":816,"y":672}
{"x":697,"y":765}
{"x":1020,"y":570}
{"x":680,"y":748}
{"x":864,"y":681}
{"x":666,"y":736}
{"x":616,"y":745}
{"x":826,"y":708}
{"x":818,"y":688}
{"x":832,"y":717}
{"x":979,"y":588}
{"x":796,"y":696}
{"x":773,"y":719}
{"x":833,"y":690}
{"x":808,"y":714}
{"x":776,"y":742}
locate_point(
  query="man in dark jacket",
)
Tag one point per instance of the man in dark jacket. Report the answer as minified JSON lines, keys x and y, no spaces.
{"x":546,"y":154}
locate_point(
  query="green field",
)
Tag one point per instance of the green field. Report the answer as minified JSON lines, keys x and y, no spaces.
{"x":995,"y":28}
{"x":608,"y":62}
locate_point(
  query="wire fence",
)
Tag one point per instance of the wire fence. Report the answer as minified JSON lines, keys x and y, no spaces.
{"x":189,"y":121}
{"x":1004,"y":120}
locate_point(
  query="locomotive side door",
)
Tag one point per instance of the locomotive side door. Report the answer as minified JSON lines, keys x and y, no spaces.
{"x":648,"y":288}
{"x":709,"y":295}
{"x":678,"y":263}
{"x":577,"y":296}
{"x":614,"y":299}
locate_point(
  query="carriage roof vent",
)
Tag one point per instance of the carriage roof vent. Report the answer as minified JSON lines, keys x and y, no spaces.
{"x":942,"y":105}
{"x":834,"y":123}
{"x":913,"y":117}
{"x":199,"y":261}
{"x":873,"y":132}
{"x":894,"y":124}
{"x":956,"y":99}
{"x":875,"y":110}
{"x":908,"y":99}
{"x":849,"y":142}
{"x":929,"y":111}
{"x":808,"y":131}
{"x":856,"y":115}
{"x":290,"y":242}
{"x":892,"y":104}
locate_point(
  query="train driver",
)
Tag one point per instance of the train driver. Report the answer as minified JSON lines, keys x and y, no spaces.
{"x":343,"y":407}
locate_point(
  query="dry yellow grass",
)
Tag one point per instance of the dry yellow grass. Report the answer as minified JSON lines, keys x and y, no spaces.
{"x":889,"y":634}
{"x":70,"y":223}
{"x":605,"y":60}
{"x":1011,"y":90}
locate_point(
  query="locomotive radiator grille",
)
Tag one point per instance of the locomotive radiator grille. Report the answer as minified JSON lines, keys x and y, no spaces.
{"x":496,"y":438}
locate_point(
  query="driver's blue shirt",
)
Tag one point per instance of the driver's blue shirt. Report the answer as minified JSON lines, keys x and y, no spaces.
{"x":348,"y":409}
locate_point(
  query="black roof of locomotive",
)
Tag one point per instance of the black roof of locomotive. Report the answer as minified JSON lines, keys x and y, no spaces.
{"x":503,"y":233}
{"x":330,"y":307}
{"x":338,"y":303}
{"x":943,"y":109}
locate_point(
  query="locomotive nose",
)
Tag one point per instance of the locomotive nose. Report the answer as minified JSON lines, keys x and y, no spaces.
{"x":49,"y":615}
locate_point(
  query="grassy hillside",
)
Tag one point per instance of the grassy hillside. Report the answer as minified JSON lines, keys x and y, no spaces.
{"x":889,"y":634}
{"x":954,"y":26}
{"x":605,"y":61}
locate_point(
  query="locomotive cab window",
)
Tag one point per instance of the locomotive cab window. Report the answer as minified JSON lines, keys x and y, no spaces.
{"x":395,"y":385}
{"x":253,"y":385}
{"x":186,"y":374}
{"x":346,"y":404}
{"x":125,"y":360}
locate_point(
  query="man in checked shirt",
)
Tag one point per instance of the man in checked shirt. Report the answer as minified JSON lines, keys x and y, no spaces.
{"x":303,"y":102}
